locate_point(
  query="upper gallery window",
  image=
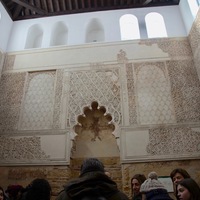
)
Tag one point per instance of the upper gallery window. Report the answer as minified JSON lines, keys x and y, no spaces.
{"x":155,"y":25}
{"x":129,"y":27}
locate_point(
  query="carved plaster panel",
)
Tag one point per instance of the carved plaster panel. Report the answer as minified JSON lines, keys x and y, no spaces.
{"x":35,"y":148}
{"x":159,"y":143}
{"x":169,"y":141}
{"x":26,"y":149}
{"x":152,"y":94}
{"x":131,"y":94}
{"x":194,"y":36}
{"x":84,"y":87}
{"x":185,"y":87}
{"x":11,"y":92}
{"x":9,"y":62}
{"x":58,"y":98}
{"x":175,"y":48}
{"x":38,"y":102}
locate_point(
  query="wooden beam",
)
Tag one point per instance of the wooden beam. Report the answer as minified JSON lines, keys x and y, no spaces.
{"x":62,"y":5}
{"x":82,"y":4}
{"x":50,"y":6}
{"x":44,"y":5}
{"x":29,"y":6}
{"x":17,"y":12}
{"x":76,"y":4}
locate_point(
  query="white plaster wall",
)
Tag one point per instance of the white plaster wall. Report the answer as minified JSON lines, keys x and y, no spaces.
{"x":77,"y":25}
{"x":5,"y":27}
{"x":188,"y":14}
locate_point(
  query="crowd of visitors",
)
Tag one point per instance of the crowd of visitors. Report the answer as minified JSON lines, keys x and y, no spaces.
{"x":94,"y":183}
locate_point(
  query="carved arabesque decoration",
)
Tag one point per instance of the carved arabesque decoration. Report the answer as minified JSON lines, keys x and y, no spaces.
{"x":94,"y":85}
{"x":175,"y":48}
{"x":21,"y":149}
{"x":94,"y":119}
{"x":9,"y":62}
{"x":11,"y":92}
{"x":37,"y":110}
{"x":153,"y":94}
{"x":169,"y":141}
{"x":185,"y":87}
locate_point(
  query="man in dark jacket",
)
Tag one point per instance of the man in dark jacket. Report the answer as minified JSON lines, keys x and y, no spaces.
{"x":92,"y":183}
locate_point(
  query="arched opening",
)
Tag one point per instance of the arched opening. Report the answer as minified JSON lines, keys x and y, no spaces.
{"x":95,"y":31}
{"x":59,"y":34}
{"x":34,"y":37}
{"x":129,"y":27}
{"x":155,"y":25}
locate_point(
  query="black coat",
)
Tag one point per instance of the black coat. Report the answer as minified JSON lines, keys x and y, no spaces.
{"x":90,"y":184}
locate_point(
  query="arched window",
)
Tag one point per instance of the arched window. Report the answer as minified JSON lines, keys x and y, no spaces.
{"x":59,"y":34}
{"x":155,"y":25}
{"x":95,"y":31}
{"x":34,"y":37}
{"x":129,"y":27}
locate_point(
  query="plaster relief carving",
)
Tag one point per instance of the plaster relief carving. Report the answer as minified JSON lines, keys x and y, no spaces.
{"x":94,"y":119}
{"x":121,"y":56}
{"x":87,"y":86}
{"x":11,"y":90}
{"x":185,"y":87}
{"x":21,"y":150}
{"x":37,"y":110}
{"x":175,"y":48}
{"x":9,"y":62}
{"x":57,"y":103}
{"x":131,"y":94}
{"x":169,"y":141}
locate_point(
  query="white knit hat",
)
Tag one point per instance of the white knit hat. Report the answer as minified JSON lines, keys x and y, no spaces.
{"x":151,"y":183}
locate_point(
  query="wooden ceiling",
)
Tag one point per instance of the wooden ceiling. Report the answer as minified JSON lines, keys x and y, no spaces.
{"x":28,"y":9}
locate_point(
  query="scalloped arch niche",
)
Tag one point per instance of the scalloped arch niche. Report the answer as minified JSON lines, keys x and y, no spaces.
{"x":95,"y":134}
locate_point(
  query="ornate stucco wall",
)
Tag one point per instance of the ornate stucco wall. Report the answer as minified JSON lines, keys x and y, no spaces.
{"x":150,"y":88}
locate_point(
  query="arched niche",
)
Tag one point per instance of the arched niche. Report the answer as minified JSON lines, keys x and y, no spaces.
{"x":59,"y":34}
{"x":95,"y":133}
{"x":34,"y":37}
{"x":95,"y":31}
{"x":129,"y":27}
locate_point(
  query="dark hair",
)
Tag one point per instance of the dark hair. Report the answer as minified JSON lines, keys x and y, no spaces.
{"x":192,"y":187}
{"x":39,"y":189}
{"x":140,"y":177}
{"x":4,"y":196}
{"x":14,"y":190}
{"x":181,"y":171}
{"x":91,"y":164}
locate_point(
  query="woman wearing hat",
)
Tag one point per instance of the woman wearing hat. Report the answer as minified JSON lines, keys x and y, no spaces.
{"x":153,"y":189}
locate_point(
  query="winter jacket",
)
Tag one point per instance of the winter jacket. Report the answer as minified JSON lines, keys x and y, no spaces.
{"x":158,"y":194}
{"x":137,"y":196}
{"x":91,"y":184}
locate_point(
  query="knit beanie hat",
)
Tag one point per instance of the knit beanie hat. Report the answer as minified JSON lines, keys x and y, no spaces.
{"x":152,"y":183}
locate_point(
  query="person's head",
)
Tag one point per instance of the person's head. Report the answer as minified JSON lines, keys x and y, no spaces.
{"x":152,"y":183}
{"x":178,"y":174}
{"x":2,"y":194}
{"x":14,"y":191}
{"x":136,"y":182}
{"x":188,"y":189}
{"x":39,"y":189}
{"x":91,"y":165}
